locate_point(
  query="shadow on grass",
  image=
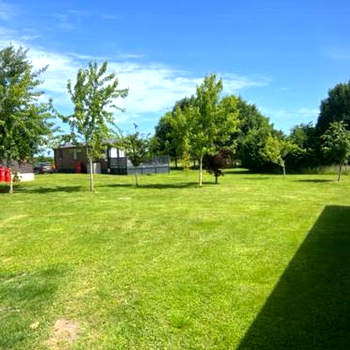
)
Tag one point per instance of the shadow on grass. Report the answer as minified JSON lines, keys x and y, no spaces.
{"x":43,"y":190}
{"x":160,"y":186}
{"x":24,"y":298}
{"x":314,"y":180}
{"x":310,"y":306}
{"x":240,"y":171}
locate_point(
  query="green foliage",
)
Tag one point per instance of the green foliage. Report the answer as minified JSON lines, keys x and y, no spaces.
{"x":25,"y":124}
{"x":335,"y":108}
{"x":171,"y":133}
{"x":136,"y":147}
{"x":43,"y":159}
{"x":93,"y":96}
{"x":179,"y":133}
{"x":336,"y":143}
{"x":254,"y":128}
{"x":163,"y":141}
{"x":211,"y":121}
{"x":276,"y":150}
{"x":305,"y":137}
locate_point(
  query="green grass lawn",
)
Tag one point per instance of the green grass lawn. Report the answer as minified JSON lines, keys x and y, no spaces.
{"x":257,"y":262}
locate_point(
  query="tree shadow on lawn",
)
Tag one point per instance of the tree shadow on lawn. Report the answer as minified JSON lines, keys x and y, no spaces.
{"x":241,"y":171}
{"x":314,"y":180}
{"x":43,"y":190}
{"x":310,"y":306}
{"x":160,"y":186}
{"x":24,"y":298}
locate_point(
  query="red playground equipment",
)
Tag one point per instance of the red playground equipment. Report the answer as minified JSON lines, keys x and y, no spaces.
{"x":2,"y":174}
{"x":7,"y":175}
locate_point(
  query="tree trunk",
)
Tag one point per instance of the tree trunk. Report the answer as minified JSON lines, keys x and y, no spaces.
{"x":92,"y":187}
{"x":136,"y":179}
{"x":175,"y":162}
{"x":216,"y":179}
{"x":284,"y":170}
{"x":200,"y":171}
{"x":339,"y":172}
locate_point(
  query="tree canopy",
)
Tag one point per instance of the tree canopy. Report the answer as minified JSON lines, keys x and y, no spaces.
{"x":93,"y":96}
{"x":25,"y":122}
{"x":335,"y":108}
{"x":336,"y":143}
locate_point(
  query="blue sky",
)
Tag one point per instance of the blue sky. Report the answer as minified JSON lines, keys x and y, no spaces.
{"x":281,"y":55}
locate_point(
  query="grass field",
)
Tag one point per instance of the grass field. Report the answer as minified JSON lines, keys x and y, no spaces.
{"x":257,"y":262}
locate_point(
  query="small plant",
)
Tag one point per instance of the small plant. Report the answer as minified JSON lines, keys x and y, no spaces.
{"x":214,"y":163}
{"x":136,"y":147}
{"x":336,"y":144}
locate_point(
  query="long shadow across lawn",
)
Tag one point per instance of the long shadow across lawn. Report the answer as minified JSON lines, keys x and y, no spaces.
{"x":310,"y":306}
{"x":315,"y":180}
{"x":159,"y":186}
{"x":43,"y":190}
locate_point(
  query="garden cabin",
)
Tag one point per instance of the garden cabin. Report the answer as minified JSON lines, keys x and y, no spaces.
{"x":70,"y":158}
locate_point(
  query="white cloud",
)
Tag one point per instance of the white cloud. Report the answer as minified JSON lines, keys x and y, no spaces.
{"x":153,"y":88}
{"x":6,"y":11}
{"x":287,"y":118}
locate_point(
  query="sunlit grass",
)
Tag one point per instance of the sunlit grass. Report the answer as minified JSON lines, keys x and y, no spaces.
{"x":167,"y":265}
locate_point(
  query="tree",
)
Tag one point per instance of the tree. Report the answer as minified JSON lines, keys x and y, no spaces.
{"x":170,"y":133}
{"x":208,"y":124}
{"x":304,"y":136}
{"x":203,"y":126}
{"x":214,"y":163}
{"x":276,"y":150}
{"x":335,"y":108}
{"x":163,"y":136}
{"x":24,"y":122}
{"x":336,"y":144}
{"x":93,"y":97}
{"x":254,"y":128}
{"x":136,"y":147}
{"x":179,"y":135}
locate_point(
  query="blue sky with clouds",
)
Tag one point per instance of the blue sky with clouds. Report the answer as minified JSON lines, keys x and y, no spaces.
{"x":281,"y":55}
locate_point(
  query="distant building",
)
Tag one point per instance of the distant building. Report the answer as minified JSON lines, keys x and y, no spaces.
{"x":70,"y":158}
{"x":24,"y":170}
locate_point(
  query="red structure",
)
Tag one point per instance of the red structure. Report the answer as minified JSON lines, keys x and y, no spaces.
{"x":2,"y":174}
{"x":78,"y":168}
{"x":8,"y":174}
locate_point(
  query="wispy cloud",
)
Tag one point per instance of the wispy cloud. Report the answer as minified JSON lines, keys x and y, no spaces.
{"x":337,"y":53}
{"x":153,"y":87}
{"x":287,"y":118}
{"x":7,"y":11}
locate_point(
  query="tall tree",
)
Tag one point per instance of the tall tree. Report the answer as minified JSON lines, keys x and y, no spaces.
{"x":254,"y":128}
{"x":207,"y":122}
{"x":136,"y":147}
{"x":180,"y":135}
{"x":168,"y":138}
{"x":335,"y":108}
{"x":25,"y":123}
{"x":93,"y":96}
{"x":336,"y":144}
